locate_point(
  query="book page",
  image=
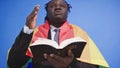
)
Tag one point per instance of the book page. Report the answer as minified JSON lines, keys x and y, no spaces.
{"x":69,"y":41}
{"x":43,"y":41}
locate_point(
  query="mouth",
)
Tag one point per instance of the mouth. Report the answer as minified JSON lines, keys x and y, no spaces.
{"x":58,"y":12}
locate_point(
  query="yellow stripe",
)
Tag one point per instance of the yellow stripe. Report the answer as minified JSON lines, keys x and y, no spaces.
{"x":91,"y":53}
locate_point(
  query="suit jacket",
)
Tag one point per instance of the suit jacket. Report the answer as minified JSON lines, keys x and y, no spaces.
{"x":20,"y":55}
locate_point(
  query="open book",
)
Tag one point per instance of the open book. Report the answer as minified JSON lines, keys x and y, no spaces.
{"x":41,"y":46}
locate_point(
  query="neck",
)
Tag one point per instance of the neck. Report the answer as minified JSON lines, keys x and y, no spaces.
{"x":57,"y":23}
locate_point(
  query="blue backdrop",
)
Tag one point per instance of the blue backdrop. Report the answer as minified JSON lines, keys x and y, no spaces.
{"x":99,"y":18}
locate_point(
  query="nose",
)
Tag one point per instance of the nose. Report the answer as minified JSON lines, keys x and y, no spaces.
{"x":58,"y":7}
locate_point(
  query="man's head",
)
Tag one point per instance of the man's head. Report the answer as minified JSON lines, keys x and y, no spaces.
{"x":57,"y":12}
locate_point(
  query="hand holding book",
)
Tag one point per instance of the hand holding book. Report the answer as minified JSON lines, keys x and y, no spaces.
{"x":41,"y":46}
{"x":58,"y":61}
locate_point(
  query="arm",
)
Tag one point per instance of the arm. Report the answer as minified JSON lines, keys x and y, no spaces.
{"x":17,"y":57}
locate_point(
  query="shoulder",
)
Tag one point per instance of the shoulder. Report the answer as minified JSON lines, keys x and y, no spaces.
{"x":77,"y":29}
{"x":79,"y":32}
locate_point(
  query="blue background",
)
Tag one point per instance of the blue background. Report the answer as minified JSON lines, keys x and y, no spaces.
{"x":99,"y":18}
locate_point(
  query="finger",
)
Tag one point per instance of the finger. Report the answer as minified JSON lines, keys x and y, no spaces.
{"x":45,"y":55}
{"x":51,"y":59}
{"x":70,"y":53}
{"x":35,"y":17}
{"x":56,"y":57}
{"x":35,"y":11}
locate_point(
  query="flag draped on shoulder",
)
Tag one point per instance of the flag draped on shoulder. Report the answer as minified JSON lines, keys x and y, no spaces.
{"x":90,"y":54}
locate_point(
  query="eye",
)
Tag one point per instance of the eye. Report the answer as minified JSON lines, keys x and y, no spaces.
{"x":52,"y":6}
{"x":60,"y":5}
{"x":63,"y":5}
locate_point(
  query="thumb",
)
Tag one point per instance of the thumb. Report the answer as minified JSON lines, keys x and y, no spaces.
{"x":70,"y":53}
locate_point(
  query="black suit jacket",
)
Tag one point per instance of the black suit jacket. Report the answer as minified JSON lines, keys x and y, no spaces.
{"x":17,"y":57}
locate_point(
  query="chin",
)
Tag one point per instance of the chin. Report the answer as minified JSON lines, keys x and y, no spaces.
{"x":61,"y":18}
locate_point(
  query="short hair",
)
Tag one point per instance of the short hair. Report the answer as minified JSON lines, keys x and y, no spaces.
{"x":68,"y":5}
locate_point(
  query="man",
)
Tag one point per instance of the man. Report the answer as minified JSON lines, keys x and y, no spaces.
{"x":57,"y":12}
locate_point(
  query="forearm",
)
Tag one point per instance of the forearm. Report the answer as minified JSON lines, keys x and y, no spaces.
{"x":17,"y":57}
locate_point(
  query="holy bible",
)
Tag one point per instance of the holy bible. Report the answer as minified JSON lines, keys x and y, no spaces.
{"x":41,"y":46}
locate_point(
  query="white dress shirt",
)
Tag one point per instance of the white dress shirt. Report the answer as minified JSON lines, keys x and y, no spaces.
{"x":27,"y":30}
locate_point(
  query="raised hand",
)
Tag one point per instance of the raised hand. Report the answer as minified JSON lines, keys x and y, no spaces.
{"x":31,"y":19}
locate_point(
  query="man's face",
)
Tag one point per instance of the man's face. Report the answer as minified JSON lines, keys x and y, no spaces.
{"x":57,"y":10}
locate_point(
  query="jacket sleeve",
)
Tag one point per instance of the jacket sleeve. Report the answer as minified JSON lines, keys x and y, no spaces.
{"x":79,"y":64}
{"x":16,"y":56}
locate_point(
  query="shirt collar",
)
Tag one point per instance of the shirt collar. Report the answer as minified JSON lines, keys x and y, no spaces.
{"x":53,"y":27}
{"x":64,"y":27}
